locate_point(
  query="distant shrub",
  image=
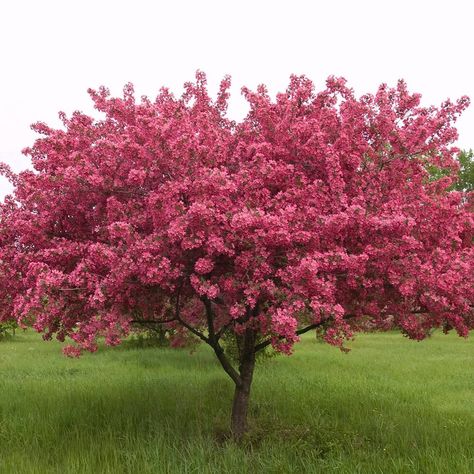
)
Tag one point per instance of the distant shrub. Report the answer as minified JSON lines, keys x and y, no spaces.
{"x":7,"y":329}
{"x":157,"y":335}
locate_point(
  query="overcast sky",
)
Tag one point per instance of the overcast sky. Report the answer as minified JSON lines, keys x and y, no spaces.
{"x":52,"y":51}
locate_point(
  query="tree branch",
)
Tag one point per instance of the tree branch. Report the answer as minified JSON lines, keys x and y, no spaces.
{"x":226,"y":365}
{"x":152,"y":321}
{"x":213,"y":341}
{"x":184,"y":323}
{"x":73,"y":289}
{"x":194,"y":331}
{"x":266,"y":343}
{"x":210,"y":319}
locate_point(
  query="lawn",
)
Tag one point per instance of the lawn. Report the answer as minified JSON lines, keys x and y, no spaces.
{"x":390,"y":405}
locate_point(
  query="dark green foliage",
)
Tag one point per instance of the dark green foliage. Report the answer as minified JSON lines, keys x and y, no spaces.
{"x":148,"y":336}
{"x":7,"y":329}
{"x":465,"y":180}
{"x":466,"y":174}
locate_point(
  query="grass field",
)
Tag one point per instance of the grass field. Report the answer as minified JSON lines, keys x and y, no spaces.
{"x":389,"y":406}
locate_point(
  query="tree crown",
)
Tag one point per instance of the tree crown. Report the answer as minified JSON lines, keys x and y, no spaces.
{"x":316,"y":210}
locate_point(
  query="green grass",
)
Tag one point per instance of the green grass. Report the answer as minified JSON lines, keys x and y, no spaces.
{"x":389,"y":406}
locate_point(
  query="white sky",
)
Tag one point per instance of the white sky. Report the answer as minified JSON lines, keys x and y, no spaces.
{"x":52,"y":51}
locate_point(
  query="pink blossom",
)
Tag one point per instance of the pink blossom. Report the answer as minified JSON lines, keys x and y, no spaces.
{"x":203,"y":266}
{"x":72,"y":351}
{"x":315,"y":210}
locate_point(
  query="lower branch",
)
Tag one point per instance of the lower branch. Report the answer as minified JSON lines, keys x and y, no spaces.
{"x":226,"y":365}
{"x":193,"y":330}
{"x":177,"y":317}
{"x":213,"y":341}
{"x":266,"y":343}
{"x":152,"y":321}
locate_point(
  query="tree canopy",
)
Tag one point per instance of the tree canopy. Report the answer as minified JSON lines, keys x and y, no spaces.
{"x":316,"y":210}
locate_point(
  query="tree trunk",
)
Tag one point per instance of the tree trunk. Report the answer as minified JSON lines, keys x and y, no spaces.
{"x":242,"y":390}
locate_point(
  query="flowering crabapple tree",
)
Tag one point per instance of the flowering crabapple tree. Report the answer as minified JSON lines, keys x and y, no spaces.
{"x":316,"y":211}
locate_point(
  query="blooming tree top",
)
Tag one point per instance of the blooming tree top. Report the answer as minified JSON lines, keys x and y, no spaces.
{"x":314,"y":211}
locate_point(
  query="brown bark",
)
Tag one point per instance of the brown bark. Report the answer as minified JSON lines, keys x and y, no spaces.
{"x":240,"y":405}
